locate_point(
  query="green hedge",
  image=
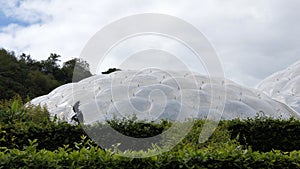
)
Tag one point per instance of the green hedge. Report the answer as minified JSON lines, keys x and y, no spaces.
{"x":139,"y":129}
{"x":229,"y":156}
{"x":266,"y":134}
{"x":29,"y":139}
{"x":261,"y":134}
{"x":19,"y":125}
{"x":50,"y":135}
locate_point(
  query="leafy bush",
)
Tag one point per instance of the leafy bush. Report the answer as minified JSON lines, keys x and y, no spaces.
{"x":266,"y":134}
{"x":18,"y":124}
{"x":138,"y":128}
{"x":13,"y":111}
{"x":229,"y":156}
{"x":49,"y":135}
{"x":29,"y":139}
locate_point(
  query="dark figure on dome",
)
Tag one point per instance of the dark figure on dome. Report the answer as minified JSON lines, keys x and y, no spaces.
{"x":78,"y":117}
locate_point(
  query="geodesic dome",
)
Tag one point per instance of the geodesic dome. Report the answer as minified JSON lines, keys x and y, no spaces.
{"x":154,"y":94}
{"x":284,"y":86}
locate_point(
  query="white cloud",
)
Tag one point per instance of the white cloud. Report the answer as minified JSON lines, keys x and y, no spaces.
{"x":252,"y":38}
{"x":26,"y":11}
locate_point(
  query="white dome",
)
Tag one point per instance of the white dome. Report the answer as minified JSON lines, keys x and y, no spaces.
{"x":284,"y":86}
{"x":155,"y":94}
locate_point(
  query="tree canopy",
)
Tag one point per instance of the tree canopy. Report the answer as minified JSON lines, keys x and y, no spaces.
{"x":27,"y":77}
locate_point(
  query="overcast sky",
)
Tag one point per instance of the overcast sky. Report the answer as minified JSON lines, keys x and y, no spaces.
{"x":252,"y":38}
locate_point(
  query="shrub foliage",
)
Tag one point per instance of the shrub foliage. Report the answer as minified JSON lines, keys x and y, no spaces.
{"x":266,"y":134}
{"x":30,"y":139}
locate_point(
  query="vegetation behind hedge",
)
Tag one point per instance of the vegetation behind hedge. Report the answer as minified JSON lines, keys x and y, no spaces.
{"x":265,"y":134}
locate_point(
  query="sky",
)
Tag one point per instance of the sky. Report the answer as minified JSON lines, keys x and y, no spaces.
{"x":253,"y":39}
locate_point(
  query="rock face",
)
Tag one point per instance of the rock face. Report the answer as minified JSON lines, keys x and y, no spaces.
{"x":284,"y":86}
{"x":154,"y":94}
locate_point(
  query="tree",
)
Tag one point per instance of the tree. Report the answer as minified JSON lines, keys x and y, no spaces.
{"x":75,"y":70}
{"x":27,"y":77}
{"x":50,"y":66}
{"x":26,"y":59}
